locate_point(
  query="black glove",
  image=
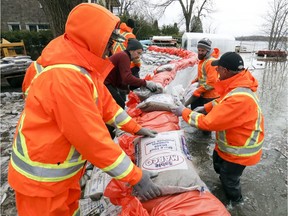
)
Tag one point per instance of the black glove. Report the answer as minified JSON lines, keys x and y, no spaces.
{"x":145,"y":189}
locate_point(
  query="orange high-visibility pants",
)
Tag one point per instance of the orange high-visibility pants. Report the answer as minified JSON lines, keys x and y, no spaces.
{"x":64,"y":204}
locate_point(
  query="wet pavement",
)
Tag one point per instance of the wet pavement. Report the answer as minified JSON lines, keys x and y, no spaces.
{"x":264,"y":185}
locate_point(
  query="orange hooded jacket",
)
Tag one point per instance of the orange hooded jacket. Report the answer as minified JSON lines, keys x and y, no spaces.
{"x":237,"y":119}
{"x":66,"y":111}
{"x":207,"y":77}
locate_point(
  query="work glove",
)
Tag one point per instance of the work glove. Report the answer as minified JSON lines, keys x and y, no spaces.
{"x":145,"y":189}
{"x":200,"y":109}
{"x":178,"y":109}
{"x":146,"y":132}
{"x":151,"y":86}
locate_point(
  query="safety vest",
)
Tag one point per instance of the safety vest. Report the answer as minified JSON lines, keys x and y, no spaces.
{"x":252,"y":145}
{"x":117,"y":46}
{"x":203,"y":79}
{"x":73,"y":163}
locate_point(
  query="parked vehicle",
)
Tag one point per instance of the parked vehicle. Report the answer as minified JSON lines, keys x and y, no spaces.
{"x":14,"y":62}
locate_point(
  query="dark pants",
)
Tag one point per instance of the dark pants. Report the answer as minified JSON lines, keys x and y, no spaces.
{"x":200,"y":102}
{"x":230,"y":174}
{"x":120,"y":98}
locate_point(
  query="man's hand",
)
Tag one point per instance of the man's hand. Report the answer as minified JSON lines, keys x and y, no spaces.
{"x":145,"y":189}
{"x":178,"y":109}
{"x":146,"y":132}
{"x":200,"y":109}
{"x":151,"y":86}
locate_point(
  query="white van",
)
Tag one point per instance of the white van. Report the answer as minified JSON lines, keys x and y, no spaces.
{"x":224,"y":43}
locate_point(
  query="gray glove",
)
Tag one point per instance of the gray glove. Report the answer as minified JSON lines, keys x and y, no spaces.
{"x":151,"y":86}
{"x":177,"y":110}
{"x":145,"y":189}
{"x":146,"y":132}
{"x":200,"y":109}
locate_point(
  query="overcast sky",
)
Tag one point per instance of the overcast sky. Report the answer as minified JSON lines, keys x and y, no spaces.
{"x":234,"y":17}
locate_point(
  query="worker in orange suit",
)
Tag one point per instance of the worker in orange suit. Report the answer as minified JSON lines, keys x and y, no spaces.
{"x":206,"y":76}
{"x":126,"y":30}
{"x":63,"y":123}
{"x":236,"y":117}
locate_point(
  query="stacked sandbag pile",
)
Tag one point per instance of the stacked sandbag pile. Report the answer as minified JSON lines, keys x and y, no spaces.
{"x":10,"y":65}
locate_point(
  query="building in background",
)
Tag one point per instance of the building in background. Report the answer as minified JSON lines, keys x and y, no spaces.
{"x":29,"y":14}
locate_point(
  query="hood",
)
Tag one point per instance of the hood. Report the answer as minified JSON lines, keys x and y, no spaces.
{"x":125,"y":28}
{"x":88,"y":29}
{"x":243,"y":79}
{"x":215,"y":53}
{"x":90,"y":26}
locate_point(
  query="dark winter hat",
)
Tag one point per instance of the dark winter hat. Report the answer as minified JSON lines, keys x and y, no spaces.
{"x":230,"y":60}
{"x":204,"y":43}
{"x":134,"y":44}
{"x":130,"y":23}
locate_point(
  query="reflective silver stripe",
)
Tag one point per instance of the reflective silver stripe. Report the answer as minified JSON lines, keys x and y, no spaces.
{"x":203,"y":81}
{"x":75,"y":156}
{"x":251,"y":146}
{"x":121,"y":168}
{"x":193,"y":119}
{"x":45,"y":172}
{"x":119,"y":119}
{"x":38,"y":67}
{"x":18,"y":145}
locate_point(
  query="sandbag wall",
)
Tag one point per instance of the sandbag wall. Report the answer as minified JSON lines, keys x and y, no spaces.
{"x":184,"y":192}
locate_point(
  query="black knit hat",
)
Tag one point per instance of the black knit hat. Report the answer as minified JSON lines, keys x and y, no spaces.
{"x":230,"y":60}
{"x":134,"y":44}
{"x":204,"y":43}
{"x":130,"y":23}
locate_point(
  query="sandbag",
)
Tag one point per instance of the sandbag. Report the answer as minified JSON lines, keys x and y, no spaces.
{"x":158,"y":102}
{"x":168,"y":154}
{"x":144,"y":93}
{"x":188,"y":92}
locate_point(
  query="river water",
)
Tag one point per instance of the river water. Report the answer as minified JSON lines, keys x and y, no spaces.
{"x":264,"y":186}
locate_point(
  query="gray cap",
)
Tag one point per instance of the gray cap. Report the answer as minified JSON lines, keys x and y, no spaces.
{"x":204,"y":43}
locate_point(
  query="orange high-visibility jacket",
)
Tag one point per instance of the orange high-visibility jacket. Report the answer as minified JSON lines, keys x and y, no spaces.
{"x":67,"y":106}
{"x":30,"y":73}
{"x":126,"y":32}
{"x":236,"y":117}
{"x":207,"y":77}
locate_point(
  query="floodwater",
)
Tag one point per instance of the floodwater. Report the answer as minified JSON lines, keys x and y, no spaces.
{"x":264,"y":186}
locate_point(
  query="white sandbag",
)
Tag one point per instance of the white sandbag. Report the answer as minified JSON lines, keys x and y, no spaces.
{"x":168,"y":155}
{"x":144,"y":93}
{"x":157,"y":102}
{"x":166,"y":67}
{"x":95,"y":187}
{"x":188,"y":93}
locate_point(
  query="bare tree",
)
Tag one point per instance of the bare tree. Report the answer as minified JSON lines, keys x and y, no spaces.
{"x":57,"y":13}
{"x":187,"y":11}
{"x":125,"y":7}
{"x":276,"y":24}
